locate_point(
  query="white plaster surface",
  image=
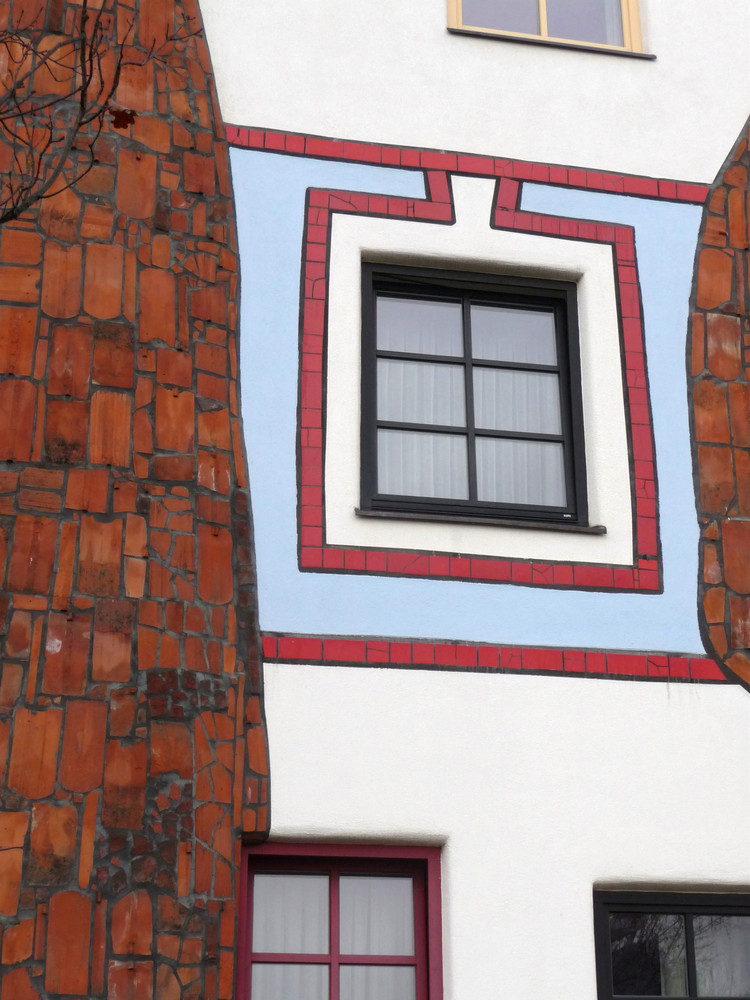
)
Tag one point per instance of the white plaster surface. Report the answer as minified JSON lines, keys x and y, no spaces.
{"x":470,"y":244}
{"x":390,"y":72}
{"x":538,"y":788}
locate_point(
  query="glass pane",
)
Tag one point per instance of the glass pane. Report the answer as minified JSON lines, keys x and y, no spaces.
{"x":377,"y":915}
{"x":648,"y":954}
{"x":419,"y":326}
{"x":420,"y":393}
{"x":502,"y":15}
{"x":289,"y":982}
{"x":521,"y":335}
{"x":377,"y":982}
{"x":722,"y":955}
{"x":511,"y":471}
{"x":506,"y":400}
{"x":586,"y":20}
{"x":290,"y":914}
{"x":415,"y":464}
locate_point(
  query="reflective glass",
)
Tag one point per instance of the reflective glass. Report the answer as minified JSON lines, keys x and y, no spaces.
{"x":507,"y":400}
{"x":722,"y":955}
{"x":419,"y":326}
{"x":648,"y":954}
{"x":377,"y":982}
{"x":502,"y":15}
{"x":290,"y":914}
{"x":521,"y":472}
{"x":586,"y":20}
{"x":419,"y":464}
{"x":377,"y":915}
{"x":521,"y":335}
{"x":289,"y":982}
{"x":418,"y":392}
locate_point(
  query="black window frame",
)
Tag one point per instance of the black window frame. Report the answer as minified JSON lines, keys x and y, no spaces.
{"x":672,"y":903}
{"x":467,"y":287}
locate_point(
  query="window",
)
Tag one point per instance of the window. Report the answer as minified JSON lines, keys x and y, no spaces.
{"x":471,"y":400}
{"x":337,"y":923}
{"x":606,"y":23}
{"x":672,"y":945}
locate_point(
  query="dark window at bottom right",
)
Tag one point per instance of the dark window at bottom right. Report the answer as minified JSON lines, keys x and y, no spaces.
{"x":672,"y":945}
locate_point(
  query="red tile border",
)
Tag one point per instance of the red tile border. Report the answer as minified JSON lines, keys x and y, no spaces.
{"x":487,"y":166}
{"x":379,"y":651}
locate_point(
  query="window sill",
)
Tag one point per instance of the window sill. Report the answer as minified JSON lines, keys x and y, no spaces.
{"x":501,"y":522}
{"x":609,"y":50}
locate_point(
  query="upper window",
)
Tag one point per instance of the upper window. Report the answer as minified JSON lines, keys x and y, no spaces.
{"x":471,"y":401}
{"x":607,"y":23}
{"x":341,"y":924}
{"x":672,"y":945}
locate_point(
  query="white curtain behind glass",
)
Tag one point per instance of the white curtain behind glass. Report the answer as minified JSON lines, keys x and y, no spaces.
{"x":507,"y":400}
{"x":290,"y":914}
{"x":419,"y":326}
{"x":289,"y":982}
{"x":520,"y":472}
{"x":383,"y":982}
{"x":416,"y":464}
{"x":377,"y":915}
{"x":417,"y":392}
{"x":722,"y":955}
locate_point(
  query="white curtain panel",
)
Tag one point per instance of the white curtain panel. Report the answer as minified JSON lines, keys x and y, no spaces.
{"x":506,"y":400}
{"x":722,"y":955}
{"x":376,"y":982}
{"x":419,"y":464}
{"x":376,"y":915}
{"x":520,"y":472}
{"x":419,"y":326}
{"x":289,"y":982}
{"x":290,"y":914}
{"x":417,"y":392}
{"x":523,"y":336}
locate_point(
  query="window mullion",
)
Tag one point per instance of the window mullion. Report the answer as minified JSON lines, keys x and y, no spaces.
{"x":469,"y":392}
{"x":692,"y":976}
{"x":333,"y":985}
{"x":543,"y":18}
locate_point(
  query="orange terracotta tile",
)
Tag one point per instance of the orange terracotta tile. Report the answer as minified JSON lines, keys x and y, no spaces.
{"x":61,"y":281}
{"x":143,"y":434}
{"x":215,"y":577}
{"x":32,"y":554}
{"x":714,"y":279}
{"x":122,"y":709}
{"x":136,"y":183}
{"x":135,"y":89}
{"x":131,"y":980}
{"x":167,"y":984}
{"x":716,"y":475}
{"x":66,"y":565}
{"x":99,"y":948}
{"x":88,"y":838}
{"x":131,"y":924}
{"x":103,"y":280}
{"x":16,"y":985}
{"x":70,"y":361}
{"x":59,"y":215}
{"x":736,"y":551}
{"x":171,"y":749}
{"x":99,"y":557}
{"x":724,"y":346}
{"x":36,"y":737}
{"x":54,"y":831}
{"x":17,"y":408}
{"x":20,"y":247}
{"x":113,"y":628}
{"x":213,"y":429}
{"x":18,"y":640}
{"x":114,"y":355}
{"x":68,"y":940}
{"x":66,"y":431}
{"x":174,"y":368}
{"x":110,"y":428}
{"x":11,"y":683}
{"x":18,"y":942}
{"x":711,"y":415}
{"x":87,"y":490}
{"x":17,"y":329}
{"x":39,"y":500}
{"x":214,"y":472}
{"x":97,"y":223}
{"x":135,"y":536}
{"x":83,"y":746}
{"x":19,"y":284}
{"x":135,"y":577}
{"x":256,"y":750}
{"x":199,"y":174}
{"x":124,"y":786}
{"x":67,"y":654}
{"x":174,"y":420}
{"x":157,"y":306}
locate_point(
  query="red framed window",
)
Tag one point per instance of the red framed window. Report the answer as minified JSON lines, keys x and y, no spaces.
{"x":328,"y":922}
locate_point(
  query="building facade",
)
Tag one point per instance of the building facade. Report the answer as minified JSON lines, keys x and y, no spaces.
{"x":457,"y":297}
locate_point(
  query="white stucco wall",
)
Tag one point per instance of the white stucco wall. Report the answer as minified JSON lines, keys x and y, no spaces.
{"x":390,"y":72}
{"x":538,"y":788}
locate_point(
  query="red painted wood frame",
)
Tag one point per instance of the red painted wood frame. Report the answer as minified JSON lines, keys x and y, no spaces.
{"x":422,"y":864}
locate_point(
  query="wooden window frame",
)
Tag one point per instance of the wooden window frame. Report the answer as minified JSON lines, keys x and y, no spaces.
{"x":631,"y":29}
{"x":677,"y":903}
{"x":437,"y":283}
{"x":423,"y":864}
